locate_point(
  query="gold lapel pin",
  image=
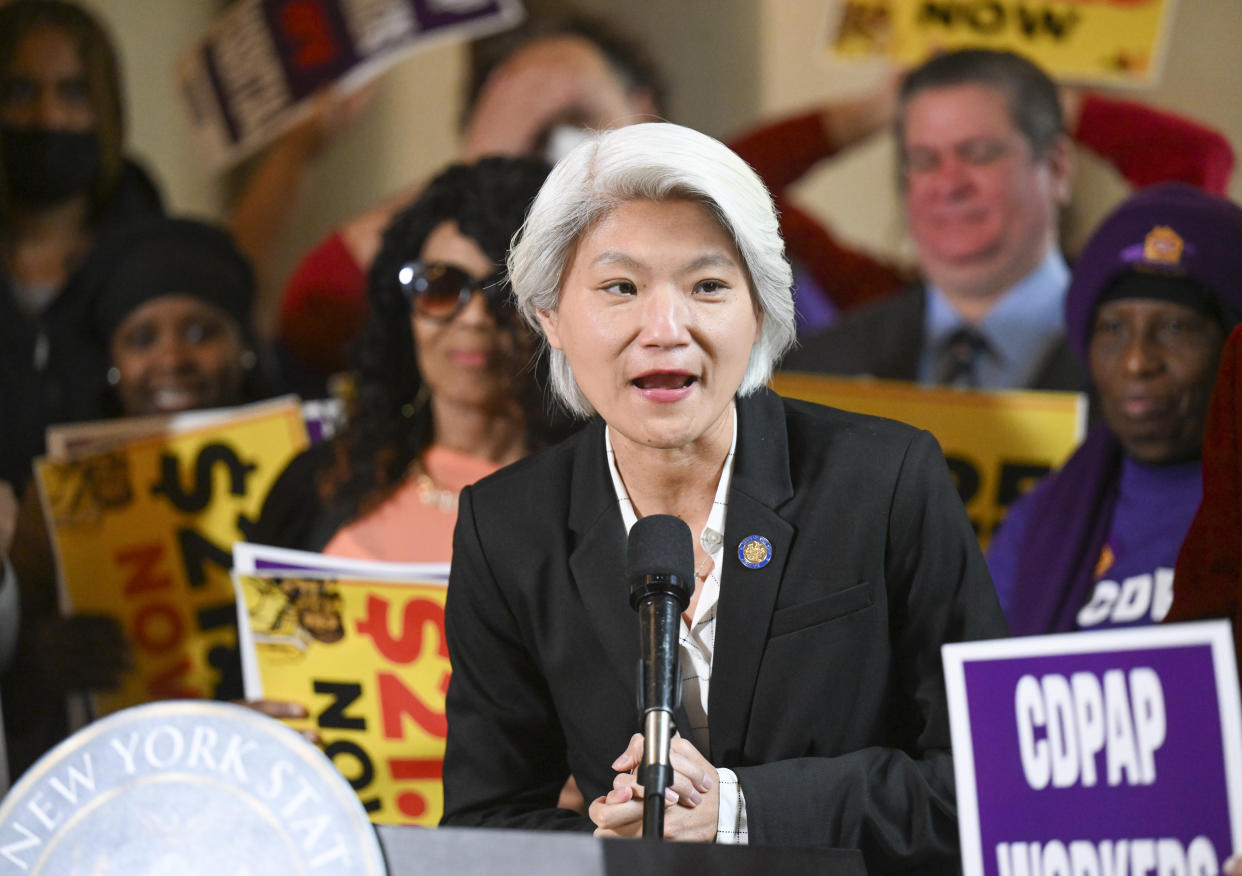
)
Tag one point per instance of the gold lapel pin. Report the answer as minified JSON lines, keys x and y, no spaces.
{"x":755,"y":552}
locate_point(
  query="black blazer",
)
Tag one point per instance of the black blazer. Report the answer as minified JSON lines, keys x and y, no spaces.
{"x":827,"y":695}
{"x":885,"y":339}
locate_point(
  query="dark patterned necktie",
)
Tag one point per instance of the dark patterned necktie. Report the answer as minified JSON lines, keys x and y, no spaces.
{"x":958,"y":359}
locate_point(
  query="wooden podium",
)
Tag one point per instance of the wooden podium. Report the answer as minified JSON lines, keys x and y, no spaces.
{"x":478,"y":852}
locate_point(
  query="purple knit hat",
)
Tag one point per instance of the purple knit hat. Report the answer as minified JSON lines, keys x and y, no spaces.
{"x":1171,"y":230}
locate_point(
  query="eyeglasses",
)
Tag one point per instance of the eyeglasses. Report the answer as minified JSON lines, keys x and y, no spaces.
{"x":440,"y":292}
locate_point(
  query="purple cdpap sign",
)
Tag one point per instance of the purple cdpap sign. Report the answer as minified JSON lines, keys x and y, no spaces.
{"x":1115,"y":752}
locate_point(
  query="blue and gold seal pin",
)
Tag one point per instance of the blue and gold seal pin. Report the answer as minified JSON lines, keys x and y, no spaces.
{"x":755,"y":552}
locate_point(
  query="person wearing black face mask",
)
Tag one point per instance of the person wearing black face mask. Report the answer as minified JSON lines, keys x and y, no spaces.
{"x":63,"y":179}
{"x":45,"y":167}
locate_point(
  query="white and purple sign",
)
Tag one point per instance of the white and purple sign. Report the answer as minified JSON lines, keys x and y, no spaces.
{"x":253,"y":75}
{"x":1098,"y":754}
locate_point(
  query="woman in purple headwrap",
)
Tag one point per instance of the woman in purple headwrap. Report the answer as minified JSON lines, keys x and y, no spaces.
{"x":1153,"y":297}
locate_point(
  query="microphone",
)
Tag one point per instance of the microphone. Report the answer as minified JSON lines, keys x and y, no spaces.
{"x":659,"y":564}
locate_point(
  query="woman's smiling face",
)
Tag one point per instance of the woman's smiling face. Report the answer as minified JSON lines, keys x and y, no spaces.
{"x":657,"y":320}
{"x":177,"y":353}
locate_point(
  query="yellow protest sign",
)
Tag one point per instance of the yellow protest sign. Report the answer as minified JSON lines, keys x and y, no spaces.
{"x":1099,"y":41}
{"x":997,"y":444}
{"x":143,"y":531}
{"x":369,"y":661}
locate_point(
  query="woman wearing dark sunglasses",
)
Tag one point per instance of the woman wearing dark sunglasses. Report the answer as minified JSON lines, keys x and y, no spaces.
{"x":448,"y":384}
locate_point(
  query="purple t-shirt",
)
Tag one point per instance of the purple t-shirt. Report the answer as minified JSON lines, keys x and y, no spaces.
{"x":1134,"y":574}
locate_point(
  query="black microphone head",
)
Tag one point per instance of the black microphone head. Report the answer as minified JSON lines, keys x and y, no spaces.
{"x":659,"y":558}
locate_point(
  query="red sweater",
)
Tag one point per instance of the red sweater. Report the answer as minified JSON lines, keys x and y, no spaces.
{"x":1208,"y":579}
{"x":325,"y":302}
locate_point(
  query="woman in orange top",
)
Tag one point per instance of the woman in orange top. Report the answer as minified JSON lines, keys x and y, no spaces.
{"x":448,"y":382}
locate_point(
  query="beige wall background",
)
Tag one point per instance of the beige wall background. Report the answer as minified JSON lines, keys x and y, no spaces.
{"x":729,"y":63}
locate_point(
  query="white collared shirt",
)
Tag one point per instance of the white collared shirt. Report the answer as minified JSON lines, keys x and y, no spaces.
{"x":698,"y":640}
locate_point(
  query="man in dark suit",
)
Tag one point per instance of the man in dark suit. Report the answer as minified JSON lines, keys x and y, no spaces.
{"x":985,"y":165}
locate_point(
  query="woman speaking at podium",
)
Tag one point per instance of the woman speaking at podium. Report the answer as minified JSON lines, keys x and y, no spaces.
{"x":832,"y":556}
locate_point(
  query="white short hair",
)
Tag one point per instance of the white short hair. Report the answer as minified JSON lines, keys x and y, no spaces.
{"x":653,"y":162}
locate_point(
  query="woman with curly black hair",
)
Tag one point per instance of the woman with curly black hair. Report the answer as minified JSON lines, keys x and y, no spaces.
{"x":448,"y":384}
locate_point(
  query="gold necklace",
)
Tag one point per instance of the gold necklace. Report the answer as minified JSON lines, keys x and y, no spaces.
{"x":432,"y":494}
{"x":704,"y":568}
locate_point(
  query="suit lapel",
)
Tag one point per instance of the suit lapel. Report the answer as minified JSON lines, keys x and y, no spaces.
{"x":597,"y":561}
{"x":761,"y":483}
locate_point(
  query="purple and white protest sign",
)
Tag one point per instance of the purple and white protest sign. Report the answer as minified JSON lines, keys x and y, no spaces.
{"x":252,"y":76}
{"x":324,"y":417}
{"x":1085,"y":754}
